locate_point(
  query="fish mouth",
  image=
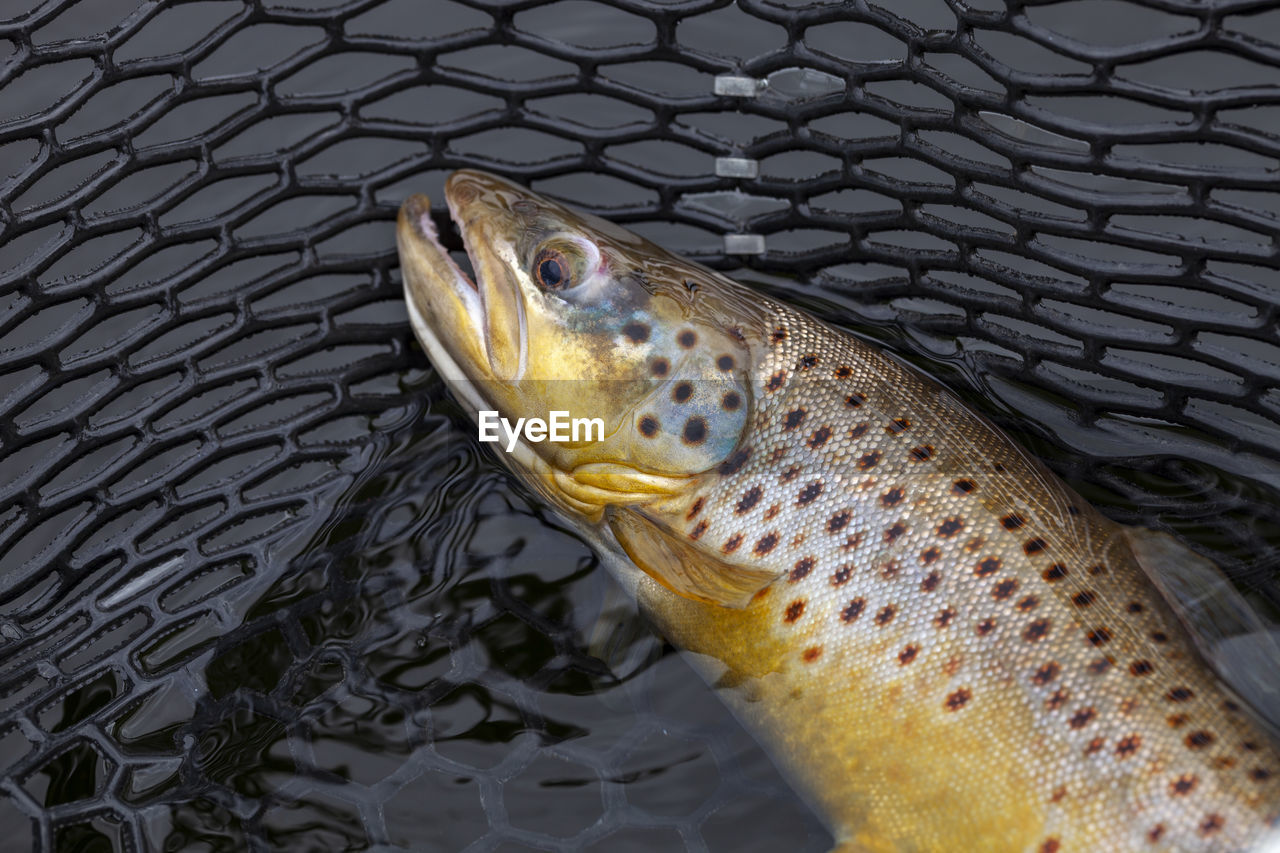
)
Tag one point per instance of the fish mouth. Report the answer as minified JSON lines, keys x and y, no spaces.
{"x":471,"y":327}
{"x":443,"y":301}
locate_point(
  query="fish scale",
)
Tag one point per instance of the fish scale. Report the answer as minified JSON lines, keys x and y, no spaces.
{"x":942,"y":644}
{"x":915,"y":581}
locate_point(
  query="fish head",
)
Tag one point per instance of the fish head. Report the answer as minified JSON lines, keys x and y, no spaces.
{"x":568,"y":312}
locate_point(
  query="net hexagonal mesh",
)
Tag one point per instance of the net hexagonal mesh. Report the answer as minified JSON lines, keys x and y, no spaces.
{"x":260,"y":589}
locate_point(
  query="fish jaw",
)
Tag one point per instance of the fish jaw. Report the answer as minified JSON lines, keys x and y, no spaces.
{"x":444,"y":304}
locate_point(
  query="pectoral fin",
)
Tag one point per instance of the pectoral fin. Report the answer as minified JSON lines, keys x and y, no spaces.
{"x":1232,"y":636}
{"x":683,"y":568}
{"x":1206,"y":602}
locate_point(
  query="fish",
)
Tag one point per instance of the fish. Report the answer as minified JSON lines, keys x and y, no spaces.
{"x":941,"y":644}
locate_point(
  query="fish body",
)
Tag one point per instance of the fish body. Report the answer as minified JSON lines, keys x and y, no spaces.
{"x":940,"y":642}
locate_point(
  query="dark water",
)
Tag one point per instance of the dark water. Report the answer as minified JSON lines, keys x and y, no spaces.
{"x":281,"y":600}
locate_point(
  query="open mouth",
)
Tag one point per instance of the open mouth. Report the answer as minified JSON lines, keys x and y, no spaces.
{"x":444,"y":302}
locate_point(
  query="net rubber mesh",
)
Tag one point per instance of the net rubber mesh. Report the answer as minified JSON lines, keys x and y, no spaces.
{"x":259,"y":589}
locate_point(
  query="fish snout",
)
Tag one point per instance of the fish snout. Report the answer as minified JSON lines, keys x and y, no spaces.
{"x":415,"y":213}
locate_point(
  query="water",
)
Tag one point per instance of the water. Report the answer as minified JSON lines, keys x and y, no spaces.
{"x":277,"y":597}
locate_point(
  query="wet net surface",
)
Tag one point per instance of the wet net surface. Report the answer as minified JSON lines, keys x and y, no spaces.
{"x":259,"y":589}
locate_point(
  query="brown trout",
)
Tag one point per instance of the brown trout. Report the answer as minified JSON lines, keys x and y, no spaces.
{"x":944,"y":646}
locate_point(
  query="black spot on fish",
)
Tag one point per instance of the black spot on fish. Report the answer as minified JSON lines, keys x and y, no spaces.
{"x":637,"y":332}
{"x":893,"y":497}
{"x":1198,"y":740}
{"x":1183,"y":785}
{"x":886,"y":614}
{"x":950,"y":527}
{"x":1004,"y":589}
{"x":1036,"y":631}
{"x":1211,"y":824}
{"x":923,"y":453}
{"x":801,"y":569}
{"x":868,"y":460}
{"x":1140,"y":668}
{"x":1099,"y":636}
{"x":1034,"y":546}
{"x":1013,"y":521}
{"x":895,"y":532}
{"x":855,"y":400}
{"x":1085,"y":598}
{"x":750,"y":498}
{"x":794,"y":611}
{"x":776,"y":381}
{"x":695,"y":509}
{"x":811,"y":654}
{"x":986,"y":626}
{"x":838,"y":522}
{"x":1134,"y":607}
{"x":649,"y":426}
{"x":1099,"y":665}
{"x":1128,"y":745}
{"x":907,"y":655}
{"x":809,"y":493}
{"x":853,"y":609}
{"x":819,"y":437}
{"x":897,"y":426}
{"x":731,"y":401}
{"x":660,"y":367}
{"x":731,"y":544}
{"x":842,"y":575}
{"x":1179,"y":694}
{"x":790,"y":474}
{"x":794,"y":418}
{"x":687,"y":339}
{"x":944,"y":617}
{"x":682,"y":392}
{"x":695,"y":430}
{"x":1046,"y":674}
{"x":930,"y":582}
{"x":1082,"y":718}
{"x":734,"y":463}
{"x":1056,"y":572}
{"x":778,"y":335}
{"x":698,"y":530}
{"x":928,"y":555}
{"x":736,"y":333}
{"x":725,"y":362}
{"x":963,"y":487}
{"x":858,"y":431}
{"x":766,"y":543}
{"x":844,"y":371}
{"x":958,"y":699}
{"x":808,"y":361}
{"x":988,"y":566}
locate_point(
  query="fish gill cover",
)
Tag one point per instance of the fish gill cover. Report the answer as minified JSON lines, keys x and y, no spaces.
{"x":259,"y":588}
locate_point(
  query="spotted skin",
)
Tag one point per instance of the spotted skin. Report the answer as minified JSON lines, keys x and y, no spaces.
{"x":1018,"y":681}
{"x":943,"y":645}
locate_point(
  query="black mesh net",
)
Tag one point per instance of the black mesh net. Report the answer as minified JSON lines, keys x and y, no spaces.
{"x":259,"y":589}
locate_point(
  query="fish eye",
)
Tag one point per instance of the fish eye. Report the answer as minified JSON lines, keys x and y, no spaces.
{"x":552,"y":270}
